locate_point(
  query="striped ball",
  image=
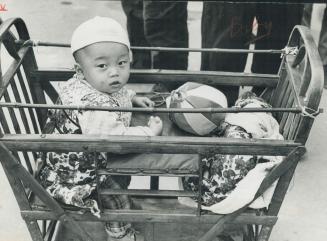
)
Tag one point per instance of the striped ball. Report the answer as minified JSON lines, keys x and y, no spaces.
{"x":194,"y":95}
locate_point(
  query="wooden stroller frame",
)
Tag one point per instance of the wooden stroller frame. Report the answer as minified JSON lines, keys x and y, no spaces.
{"x":294,"y":93}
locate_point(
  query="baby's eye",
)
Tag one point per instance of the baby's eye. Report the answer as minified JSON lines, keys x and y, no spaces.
{"x":101,"y":66}
{"x":122,"y":62}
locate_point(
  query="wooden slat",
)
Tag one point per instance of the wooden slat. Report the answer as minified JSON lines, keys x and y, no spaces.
{"x":267,"y":94}
{"x":21,"y":111}
{"x":32,"y":115}
{"x":290,"y":103}
{"x":205,"y":77}
{"x":275,"y":91}
{"x":284,"y":101}
{"x":44,"y":227}
{"x":294,"y":127}
{"x":1,"y":81}
{"x":12,"y":114}
{"x":50,"y":231}
{"x":50,"y":91}
{"x":281,"y":81}
{"x":3,"y":121}
{"x":280,"y":96}
{"x":164,"y":216}
{"x":303,"y":129}
{"x":280,"y":89}
{"x":175,"y":76}
{"x":27,"y":100}
{"x":200,"y":183}
{"x":142,"y":144}
{"x":149,"y":232}
{"x":38,"y":97}
{"x":288,"y":126}
{"x":146,"y":192}
{"x":294,"y":80}
{"x":30,"y":65}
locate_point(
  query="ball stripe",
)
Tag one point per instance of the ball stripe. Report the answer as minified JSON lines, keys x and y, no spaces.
{"x":200,"y":124}
{"x":182,"y":122}
{"x":200,"y":102}
{"x":190,"y":86}
{"x":209,"y":93}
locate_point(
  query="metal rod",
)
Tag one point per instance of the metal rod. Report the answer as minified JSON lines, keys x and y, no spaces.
{"x":151,"y":110}
{"x":220,"y":50}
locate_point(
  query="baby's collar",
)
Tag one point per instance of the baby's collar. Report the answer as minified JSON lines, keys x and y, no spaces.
{"x":83,"y":81}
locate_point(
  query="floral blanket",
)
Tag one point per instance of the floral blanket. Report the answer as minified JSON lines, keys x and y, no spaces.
{"x":222,"y":173}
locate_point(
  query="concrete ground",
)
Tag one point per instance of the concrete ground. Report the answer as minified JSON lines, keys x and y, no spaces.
{"x":303,"y":215}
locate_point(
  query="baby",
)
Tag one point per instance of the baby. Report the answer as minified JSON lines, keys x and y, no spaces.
{"x":102,"y":52}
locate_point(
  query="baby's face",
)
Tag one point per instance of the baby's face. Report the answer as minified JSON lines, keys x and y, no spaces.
{"x":105,"y":65}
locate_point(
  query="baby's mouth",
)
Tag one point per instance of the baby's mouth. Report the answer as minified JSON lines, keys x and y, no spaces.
{"x":115,"y":83}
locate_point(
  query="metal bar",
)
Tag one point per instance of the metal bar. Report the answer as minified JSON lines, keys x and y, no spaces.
{"x":213,"y":50}
{"x":146,"y":192}
{"x":149,"y":172}
{"x":152,"y":110}
{"x":151,"y":175}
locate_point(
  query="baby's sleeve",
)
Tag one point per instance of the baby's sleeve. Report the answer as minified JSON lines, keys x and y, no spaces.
{"x":104,"y":123}
{"x":131,"y":93}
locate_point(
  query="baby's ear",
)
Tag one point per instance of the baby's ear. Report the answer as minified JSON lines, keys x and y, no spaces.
{"x":78,"y":68}
{"x":79,"y":71}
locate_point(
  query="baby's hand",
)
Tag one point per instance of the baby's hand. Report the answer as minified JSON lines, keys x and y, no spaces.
{"x":142,"y":101}
{"x":155,"y":124}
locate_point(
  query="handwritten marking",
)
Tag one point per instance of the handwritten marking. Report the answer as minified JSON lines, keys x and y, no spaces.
{"x":237,"y":28}
{"x":3,"y":7}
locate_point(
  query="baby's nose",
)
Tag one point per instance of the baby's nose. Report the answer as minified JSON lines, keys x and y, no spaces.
{"x":113,"y":71}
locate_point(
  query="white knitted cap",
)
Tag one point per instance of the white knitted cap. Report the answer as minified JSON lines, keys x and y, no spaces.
{"x":99,"y":29}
